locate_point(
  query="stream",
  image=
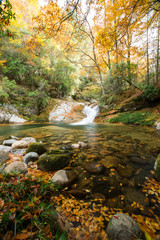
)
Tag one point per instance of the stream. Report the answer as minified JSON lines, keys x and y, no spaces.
{"x":127,"y":152}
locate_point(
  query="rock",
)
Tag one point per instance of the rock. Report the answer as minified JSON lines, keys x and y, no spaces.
{"x":3,"y":156}
{"x":157,"y":168}
{"x":30,"y":157}
{"x":16,"y":167}
{"x":53,"y":162}
{"x":19,"y":144}
{"x":75,"y":145}
{"x":140,"y":177}
{"x":94,"y":167}
{"x":78,"y":193}
{"x":36,"y":147}
{"x":123,"y":227}
{"x":28,"y":140}
{"x":5,"y":148}
{"x":64,"y":177}
{"x":125,"y":171}
{"x":9,"y":142}
{"x":83,"y":145}
{"x":135,"y":195}
{"x":110,"y":162}
{"x":138,"y":160}
{"x":2,"y":168}
{"x":19,"y":152}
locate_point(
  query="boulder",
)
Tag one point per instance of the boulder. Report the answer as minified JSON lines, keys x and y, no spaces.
{"x":30,"y":157}
{"x":157,"y":168}
{"x":19,"y":144}
{"x":28,"y":140}
{"x":6,"y":149}
{"x":3,"y":156}
{"x":36,"y":147}
{"x":64,"y":177}
{"x":53,"y":162}
{"x":123,"y":227}
{"x":94,"y":167}
{"x":9,"y":142}
{"x":16,"y":167}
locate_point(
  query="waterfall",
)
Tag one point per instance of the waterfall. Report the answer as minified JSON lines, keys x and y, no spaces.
{"x":91,"y":113}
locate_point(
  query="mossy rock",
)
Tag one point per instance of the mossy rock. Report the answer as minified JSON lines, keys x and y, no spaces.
{"x":36,"y":147}
{"x":53,"y":162}
{"x":58,"y":151}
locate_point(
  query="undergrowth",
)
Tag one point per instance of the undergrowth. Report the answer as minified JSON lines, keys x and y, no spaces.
{"x":27,"y":208}
{"x":139,"y":118}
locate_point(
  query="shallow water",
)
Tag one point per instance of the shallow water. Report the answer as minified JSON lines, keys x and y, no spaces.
{"x":135,"y":147}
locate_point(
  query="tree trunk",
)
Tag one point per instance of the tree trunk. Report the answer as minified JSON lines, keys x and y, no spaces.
{"x":147,"y":54}
{"x":157,"y":65}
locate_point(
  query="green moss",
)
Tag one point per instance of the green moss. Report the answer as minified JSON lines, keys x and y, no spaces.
{"x":36,"y":147}
{"x":139,"y":118}
{"x":53,"y":162}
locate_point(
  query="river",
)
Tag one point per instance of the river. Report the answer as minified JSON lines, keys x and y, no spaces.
{"x":131,"y":150}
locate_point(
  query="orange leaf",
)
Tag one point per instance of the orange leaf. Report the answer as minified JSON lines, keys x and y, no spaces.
{"x":1,"y":203}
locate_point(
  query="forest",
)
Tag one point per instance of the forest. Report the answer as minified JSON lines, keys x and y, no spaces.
{"x":84,"y":49}
{"x":99,"y":52}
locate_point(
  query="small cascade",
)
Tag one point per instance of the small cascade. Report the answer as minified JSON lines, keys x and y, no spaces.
{"x":91,"y":112}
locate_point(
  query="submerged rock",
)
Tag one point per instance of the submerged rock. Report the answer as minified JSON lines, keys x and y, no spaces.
{"x":94,"y":167}
{"x":64,"y":177}
{"x":16,"y":167}
{"x":36,"y":147}
{"x":123,"y":227}
{"x":125,"y":171}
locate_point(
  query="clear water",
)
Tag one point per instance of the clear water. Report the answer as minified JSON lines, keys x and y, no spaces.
{"x":118,"y":141}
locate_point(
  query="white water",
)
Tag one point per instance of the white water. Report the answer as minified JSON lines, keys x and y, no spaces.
{"x":91,"y":113}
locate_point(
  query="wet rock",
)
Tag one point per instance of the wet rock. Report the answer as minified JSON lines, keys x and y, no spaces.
{"x":36,"y":147}
{"x":53,"y":162}
{"x":19,"y":144}
{"x":123,"y":227}
{"x":9,"y":142}
{"x":108,"y":186}
{"x":99,"y":196}
{"x":140,"y":177}
{"x":125,"y":171}
{"x":94,"y":167}
{"x":138,"y":160}
{"x":6,"y":149}
{"x":135,"y":195}
{"x":64,"y":177}
{"x":30,"y":157}
{"x":86,"y":184}
{"x":16,"y":167}
{"x":78,"y":193}
{"x":3,"y":156}
{"x":28,"y":140}
{"x":110,"y":162}
{"x":20,"y":152}
{"x":157,"y":168}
